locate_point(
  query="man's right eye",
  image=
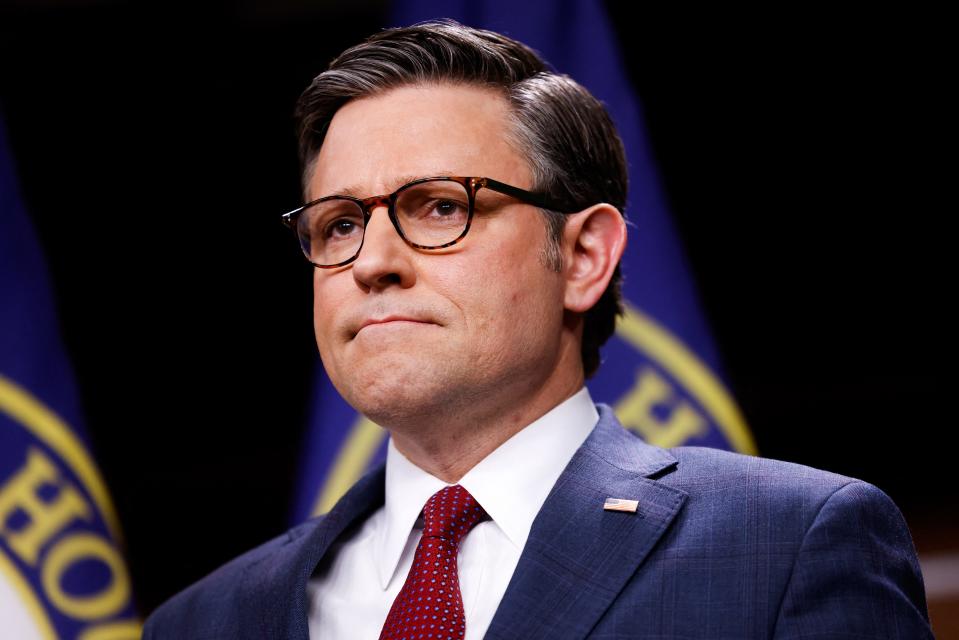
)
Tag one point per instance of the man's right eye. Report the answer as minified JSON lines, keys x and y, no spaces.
{"x":342,"y":228}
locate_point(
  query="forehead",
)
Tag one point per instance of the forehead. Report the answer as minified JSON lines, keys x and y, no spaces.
{"x":374,"y":144}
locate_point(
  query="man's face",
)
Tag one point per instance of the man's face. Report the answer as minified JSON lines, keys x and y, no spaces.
{"x":406,"y":333}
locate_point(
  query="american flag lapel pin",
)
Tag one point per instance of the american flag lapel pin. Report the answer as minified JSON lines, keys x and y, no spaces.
{"x":618,"y":504}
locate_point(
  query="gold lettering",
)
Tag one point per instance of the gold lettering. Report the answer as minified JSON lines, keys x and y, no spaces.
{"x":79,"y":546}
{"x":122,"y":630}
{"x":635,"y":411}
{"x":46,"y":518}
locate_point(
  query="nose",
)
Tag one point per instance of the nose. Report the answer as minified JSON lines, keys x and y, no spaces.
{"x":385,"y":258}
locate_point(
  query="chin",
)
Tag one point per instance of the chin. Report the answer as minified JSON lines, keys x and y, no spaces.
{"x":392,"y":393}
{"x":404,"y":411}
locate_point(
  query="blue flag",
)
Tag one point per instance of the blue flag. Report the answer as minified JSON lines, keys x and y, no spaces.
{"x":660,"y":372}
{"x":61,"y":573}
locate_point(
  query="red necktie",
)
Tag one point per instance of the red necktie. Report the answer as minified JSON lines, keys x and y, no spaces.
{"x":430,"y":605}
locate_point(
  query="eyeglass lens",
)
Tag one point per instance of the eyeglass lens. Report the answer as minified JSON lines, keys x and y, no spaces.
{"x":429,"y":214}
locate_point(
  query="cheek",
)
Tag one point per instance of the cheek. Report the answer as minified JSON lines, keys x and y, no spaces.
{"x":484,"y":286}
{"x":318,"y":308}
{"x":508,"y":300}
{"x":324,"y":307}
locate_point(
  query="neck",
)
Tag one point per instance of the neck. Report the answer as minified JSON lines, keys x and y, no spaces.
{"x":449,"y":446}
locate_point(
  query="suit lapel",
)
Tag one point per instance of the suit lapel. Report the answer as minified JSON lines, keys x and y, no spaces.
{"x":274,"y":602}
{"x":578,"y":556}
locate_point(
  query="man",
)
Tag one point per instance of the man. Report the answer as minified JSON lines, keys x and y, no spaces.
{"x":465,"y":220}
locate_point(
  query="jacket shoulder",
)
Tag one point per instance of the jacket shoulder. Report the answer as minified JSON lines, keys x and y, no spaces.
{"x":835,"y":550}
{"x":715,"y":470}
{"x":206,"y":609}
{"x":782,"y":501}
{"x":763,"y":494}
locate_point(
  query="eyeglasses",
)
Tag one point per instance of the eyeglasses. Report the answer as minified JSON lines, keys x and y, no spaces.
{"x":429,"y":213}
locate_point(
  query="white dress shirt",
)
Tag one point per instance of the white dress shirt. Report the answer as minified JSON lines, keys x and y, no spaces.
{"x":353,"y":596}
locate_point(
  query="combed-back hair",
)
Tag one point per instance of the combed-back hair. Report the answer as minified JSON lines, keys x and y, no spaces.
{"x":575,"y":154}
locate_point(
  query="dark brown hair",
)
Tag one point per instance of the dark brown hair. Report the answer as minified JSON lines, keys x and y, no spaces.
{"x":574,"y":151}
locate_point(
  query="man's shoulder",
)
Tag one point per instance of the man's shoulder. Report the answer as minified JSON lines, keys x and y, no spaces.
{"x":767,"y":488}
{"x":207,"y":608}
{"x":698,"y":464}
{"x":728,"y":484}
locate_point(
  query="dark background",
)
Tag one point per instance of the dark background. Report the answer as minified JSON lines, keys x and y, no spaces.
{"x":802,"y":155}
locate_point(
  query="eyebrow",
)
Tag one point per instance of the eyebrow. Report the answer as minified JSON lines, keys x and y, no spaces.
{"x":359,"y":191}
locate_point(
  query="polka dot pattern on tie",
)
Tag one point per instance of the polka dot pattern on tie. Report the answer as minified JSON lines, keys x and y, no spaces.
{"x":430,"y":605}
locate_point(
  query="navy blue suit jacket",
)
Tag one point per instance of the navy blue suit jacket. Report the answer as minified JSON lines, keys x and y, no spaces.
{"x":722,"y":546}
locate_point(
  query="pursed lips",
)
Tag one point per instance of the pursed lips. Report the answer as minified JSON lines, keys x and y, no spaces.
{"x":389,"y":320}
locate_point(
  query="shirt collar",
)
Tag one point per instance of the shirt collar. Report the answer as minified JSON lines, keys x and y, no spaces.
{"x":511,"y":483}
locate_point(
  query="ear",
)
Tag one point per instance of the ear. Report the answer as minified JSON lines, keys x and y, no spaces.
{"x":594,"y":240}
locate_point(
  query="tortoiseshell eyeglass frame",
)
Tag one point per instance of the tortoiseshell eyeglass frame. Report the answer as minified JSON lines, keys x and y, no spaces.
{"x":472,"y":186}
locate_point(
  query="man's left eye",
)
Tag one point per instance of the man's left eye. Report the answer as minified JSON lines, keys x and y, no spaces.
{"x":446,"y":207}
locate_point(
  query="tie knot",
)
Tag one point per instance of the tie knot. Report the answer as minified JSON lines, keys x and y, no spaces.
{"x":450,"y":514}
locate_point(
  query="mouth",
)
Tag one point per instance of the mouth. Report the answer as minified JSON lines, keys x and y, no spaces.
{"x":391,"y":321}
